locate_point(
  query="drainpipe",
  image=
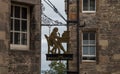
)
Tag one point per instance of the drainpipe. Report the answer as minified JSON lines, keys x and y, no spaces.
{"x":78,"y":40}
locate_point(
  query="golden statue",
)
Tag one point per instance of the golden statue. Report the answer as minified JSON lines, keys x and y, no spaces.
{"x":55,"y":41}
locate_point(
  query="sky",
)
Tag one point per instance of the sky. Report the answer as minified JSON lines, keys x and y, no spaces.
{"x":45,"y":29}
{"x":59,"y":4}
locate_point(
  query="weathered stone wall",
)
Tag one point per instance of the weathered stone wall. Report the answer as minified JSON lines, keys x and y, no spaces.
{"x":28,"y":62}
{"x":24,"y":62}
{"x":109,"y":36}
{"x":4,"y":38}
{"x":107,"y":22}
{"x":18,"y":61}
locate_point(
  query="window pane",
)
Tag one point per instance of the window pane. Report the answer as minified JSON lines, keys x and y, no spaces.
{"x":11,"y":11}
{"x":85,"y":41}
{"x":92,"y":5}
{"x":85,"y":5}
{"x":92,"y":38}
{"x":17,"y":38}
{"x":85,"y":50}
{"x":17,"y":25}
{"x":17,"y":11}
{"x":11,"y":38}
{"x":24,"y":39}
{"x":89,"y":58}
{"x":85,"y":38}
{"x":92,"y":50}
{"x":92,"y":41}
{"x":85,"y":58}
{"x":24,"y":25}
{"x":24,"y":13}
{"x":11,"y":25}
{"x":92,"y":58}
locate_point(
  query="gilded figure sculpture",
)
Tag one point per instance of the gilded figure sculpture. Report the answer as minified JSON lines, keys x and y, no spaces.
{"x":55,"y":41}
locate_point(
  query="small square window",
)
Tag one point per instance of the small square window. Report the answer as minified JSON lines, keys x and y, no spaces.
{"x":89,"y":6}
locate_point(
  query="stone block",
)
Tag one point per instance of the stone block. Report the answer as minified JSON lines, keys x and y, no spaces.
{"x":2,"y":46}
{"x":116,"y":72}
{"x":21,"y":68}
{"x":4,"y":7}
{"x":104,"y":59}
{"x":2,"y":35}
{"x":85,"y":72}
{"x":1,"y":60}
{"x":101,"y":68}
{"x":103,"y":44}
{"x":3,"y":70}
{"x":116,"y":57}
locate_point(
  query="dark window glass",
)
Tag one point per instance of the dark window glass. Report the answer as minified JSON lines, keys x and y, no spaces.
{"x":92,"y":58}
{"x":85,"y":38}
{"x":89,"y":58}
{"x":24,"y":39}
{"x":92,"y":38}
{"x":11,"y":11}
{"x":11,"y":27}
{"x":24,"y":25}
{"x":85,"y":58}
{"x":11,"y":37}
{"x":17,"y":11}
{"x":17,"y":25}
{"x":24,"y":13}
{"x":16,"y":38}
{"x":88,"y":5}
{"x":85,"y":5}
{"x":92,"y":5}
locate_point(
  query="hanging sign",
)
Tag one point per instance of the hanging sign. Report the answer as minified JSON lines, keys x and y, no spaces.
{"x":56,"y":51}
{"x":59,"y":56}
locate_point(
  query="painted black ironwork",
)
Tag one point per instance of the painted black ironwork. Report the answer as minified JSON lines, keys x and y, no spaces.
{"x":47,"y":21}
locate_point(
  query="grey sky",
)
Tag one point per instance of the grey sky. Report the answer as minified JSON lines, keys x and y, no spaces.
{"x":59,"y":5}
{"x":45,"y":29}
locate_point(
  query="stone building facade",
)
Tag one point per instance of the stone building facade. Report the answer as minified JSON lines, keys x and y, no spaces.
{"x":20,"y":36}
{"x":99,"y":48}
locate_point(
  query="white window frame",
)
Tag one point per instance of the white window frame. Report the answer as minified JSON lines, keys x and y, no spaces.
{"x":20,"y":46}
{"x":88,"y":45}
{"x":88,"y":11}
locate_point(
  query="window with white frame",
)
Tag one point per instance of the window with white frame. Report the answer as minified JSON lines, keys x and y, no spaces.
{"x":89,"y":6}
{"x":89,"y":46}
{"x":19,"y":27}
